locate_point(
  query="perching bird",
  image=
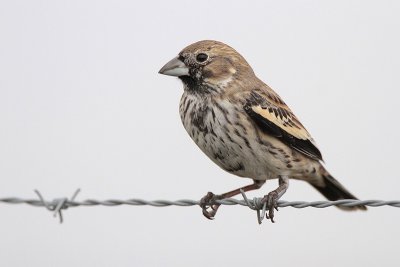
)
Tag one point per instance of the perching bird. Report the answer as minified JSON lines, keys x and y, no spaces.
{"x":242,"y":125}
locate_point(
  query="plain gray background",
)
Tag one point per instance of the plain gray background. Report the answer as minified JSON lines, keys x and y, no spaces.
{"x":82,"y":105}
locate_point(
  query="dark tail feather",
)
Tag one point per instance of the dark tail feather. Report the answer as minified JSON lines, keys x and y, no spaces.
{"x":333,"y":190}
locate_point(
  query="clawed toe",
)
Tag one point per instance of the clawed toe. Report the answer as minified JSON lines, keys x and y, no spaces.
{"x":271,"y":200}
{"x":208,"y":205}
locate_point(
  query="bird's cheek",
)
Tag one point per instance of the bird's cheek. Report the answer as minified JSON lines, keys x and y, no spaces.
{"x":207,"y":73}
{"x":218,"y":68}
{"x":218,"y":74}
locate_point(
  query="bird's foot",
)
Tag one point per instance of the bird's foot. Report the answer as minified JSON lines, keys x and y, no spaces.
{"x":271,"y":200}
{"x":208,"y":205}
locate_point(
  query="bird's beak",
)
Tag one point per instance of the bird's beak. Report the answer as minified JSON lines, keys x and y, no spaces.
{"x":175,"y":67}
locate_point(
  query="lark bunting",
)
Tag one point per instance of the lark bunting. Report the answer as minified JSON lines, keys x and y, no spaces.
{"x":242,"y":125}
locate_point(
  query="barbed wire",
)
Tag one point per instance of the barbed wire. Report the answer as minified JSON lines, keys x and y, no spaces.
{"x":59,"y":204}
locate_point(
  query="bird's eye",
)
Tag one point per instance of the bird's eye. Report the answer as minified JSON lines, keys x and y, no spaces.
{"x":201,"y":57}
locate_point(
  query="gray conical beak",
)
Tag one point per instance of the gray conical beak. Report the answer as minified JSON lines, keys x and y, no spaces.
{"x":175,"y":67}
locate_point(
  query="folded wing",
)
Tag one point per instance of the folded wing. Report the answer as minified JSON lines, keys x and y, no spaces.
{"x":275,"y":118}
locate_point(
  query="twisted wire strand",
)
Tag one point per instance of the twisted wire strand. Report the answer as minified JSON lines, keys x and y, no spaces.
{"x":59,"y":204}
{"x":190,"y":202}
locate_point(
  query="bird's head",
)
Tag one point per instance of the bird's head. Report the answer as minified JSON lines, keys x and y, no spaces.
{"x":207,"y":66}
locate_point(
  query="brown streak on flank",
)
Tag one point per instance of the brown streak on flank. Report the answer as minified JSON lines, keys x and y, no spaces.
{"x":213,"y":114}
{"x":272,"y":152}
{"x":212,"y":132}
{"x":239,"y":167}
{"x":223,"y":111}
{"x":230,"y":138}
{"x":242,"y":127}
{"x":246,"y":141}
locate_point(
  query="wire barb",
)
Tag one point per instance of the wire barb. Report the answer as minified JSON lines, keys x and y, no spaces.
{"x":256,"y":205}
{"x":60,"y":204}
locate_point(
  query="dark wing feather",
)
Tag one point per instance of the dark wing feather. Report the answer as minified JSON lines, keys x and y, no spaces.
{"x":273,"y":117}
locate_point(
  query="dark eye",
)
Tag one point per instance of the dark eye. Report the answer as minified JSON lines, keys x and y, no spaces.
{"x":201,"y":57}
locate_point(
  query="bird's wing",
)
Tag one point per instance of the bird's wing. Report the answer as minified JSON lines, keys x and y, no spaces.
{"x":274,"y":117}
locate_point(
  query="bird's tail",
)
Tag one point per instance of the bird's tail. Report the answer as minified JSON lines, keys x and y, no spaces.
{"x":333,"y":190}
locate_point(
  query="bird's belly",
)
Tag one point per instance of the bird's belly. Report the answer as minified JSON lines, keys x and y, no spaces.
{"x":230,"y":140}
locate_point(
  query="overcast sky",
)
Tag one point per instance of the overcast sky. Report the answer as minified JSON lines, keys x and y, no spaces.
{"x":82,"y":105}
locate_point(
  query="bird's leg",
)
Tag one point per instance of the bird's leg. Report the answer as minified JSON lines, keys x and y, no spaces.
{"x":272,"y":198}
{"x":207,"y":203}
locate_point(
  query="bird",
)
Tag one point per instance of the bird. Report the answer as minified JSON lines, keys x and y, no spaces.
{"x":245,"y":127}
